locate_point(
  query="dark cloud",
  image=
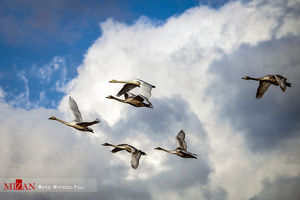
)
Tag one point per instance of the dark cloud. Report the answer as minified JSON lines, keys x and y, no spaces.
{"x":283,"y":187}
{"x":34,"y":21}
{"x":274,"y":118}
{"x":184,"y":173}
{"x":168,"y":117}
{"x":218,"y":194}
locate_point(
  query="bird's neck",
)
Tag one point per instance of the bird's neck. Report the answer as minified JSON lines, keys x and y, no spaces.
{"x":108,"y":144}
{"x":168,"y":151}
{"x":63,"y":122}
{"x":121,"y":81}
{"x":255,"y":79}
{"x":134,"y":82}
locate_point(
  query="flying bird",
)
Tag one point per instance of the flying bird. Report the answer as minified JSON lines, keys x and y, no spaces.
{"x":135,"y":153}
{"x":129,"y":85}
{"x":268,"y":80}
{"x":134,"y":100}
{"x":181,"y":149}
{"x":77,"y":123}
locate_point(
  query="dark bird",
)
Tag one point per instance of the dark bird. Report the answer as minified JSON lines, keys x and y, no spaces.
{"x":135,"y":153}
{"x":134,"y":100}
{"x":266,"y":81}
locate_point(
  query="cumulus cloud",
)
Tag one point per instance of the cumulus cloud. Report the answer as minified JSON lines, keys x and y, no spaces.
{"x":195,"y":60}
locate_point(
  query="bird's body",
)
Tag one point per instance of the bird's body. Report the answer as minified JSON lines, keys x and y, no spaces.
{"x":134,"y":100}
{"x":77,"y":123}
{"x":135,"y":153}
{"x":181,"y":149}
{"x":266,"y":81}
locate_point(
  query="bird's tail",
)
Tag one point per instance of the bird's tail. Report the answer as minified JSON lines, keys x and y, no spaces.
{"x":288,"y":84}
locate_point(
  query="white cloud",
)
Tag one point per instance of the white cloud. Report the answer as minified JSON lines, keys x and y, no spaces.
{"x":177,"y":58}
{"x":2,"y":93}
{"x":45,"y":72}
{"x":23,"y":98}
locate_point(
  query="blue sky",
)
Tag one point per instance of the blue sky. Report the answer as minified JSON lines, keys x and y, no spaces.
{"x":33,"y":33}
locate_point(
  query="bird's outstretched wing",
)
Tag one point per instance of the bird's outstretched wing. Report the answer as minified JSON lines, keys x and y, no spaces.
{"x":126,"y":88}
{"x":180,"y":140}
{"x":281,"y":82}
{"x":135,"y":158}
{"x":146,"y":88}
{"x":75,"y":110}
{"x":262,"y":88}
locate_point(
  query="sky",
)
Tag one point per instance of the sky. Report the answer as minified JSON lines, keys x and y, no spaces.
{"x":195,"y":53}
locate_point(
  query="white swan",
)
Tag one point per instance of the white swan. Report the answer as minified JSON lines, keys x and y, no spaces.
{"x":181,"y":149}
{"x":77,"y":123}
